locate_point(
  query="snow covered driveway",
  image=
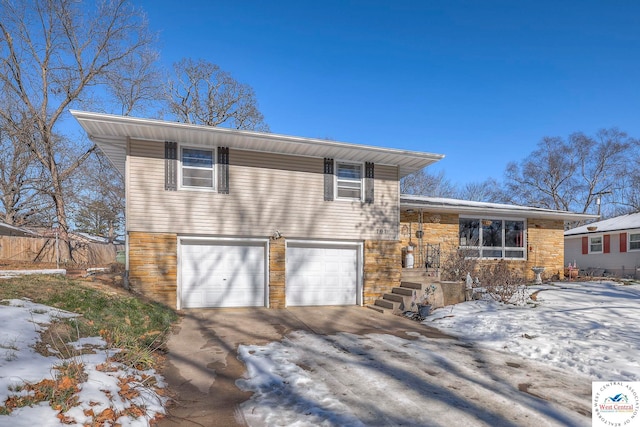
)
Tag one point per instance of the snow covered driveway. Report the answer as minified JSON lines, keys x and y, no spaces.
{"x":512,"y":366}
{"x":383,"y":380}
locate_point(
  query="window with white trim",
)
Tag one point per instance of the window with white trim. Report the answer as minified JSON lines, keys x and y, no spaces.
{"x":595,"y":244}
{"x":348,"y":181}
{"x":197,"y":167}
{"x":492,"y":238}
{"x":634,"y":241}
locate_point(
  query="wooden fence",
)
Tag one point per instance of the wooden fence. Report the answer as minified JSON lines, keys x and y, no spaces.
{"x":47,"y":250}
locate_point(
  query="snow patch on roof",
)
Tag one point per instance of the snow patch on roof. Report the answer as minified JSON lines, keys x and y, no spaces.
{"x":11,"y":230}
{"x":619,"y":223}
{"x":406,"y":198}
{"x":469,"y":206}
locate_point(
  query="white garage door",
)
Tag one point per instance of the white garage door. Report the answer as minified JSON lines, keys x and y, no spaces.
{"x":222,"y":274}
{"x":322,"y":275}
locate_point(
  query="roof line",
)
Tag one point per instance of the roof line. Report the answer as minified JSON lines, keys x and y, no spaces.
{"x":248,"y":133}
{"x":439,"y":204}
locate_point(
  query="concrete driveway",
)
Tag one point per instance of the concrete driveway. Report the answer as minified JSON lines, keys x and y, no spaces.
{"x":202,"y":364}
{"x":483,"y":387}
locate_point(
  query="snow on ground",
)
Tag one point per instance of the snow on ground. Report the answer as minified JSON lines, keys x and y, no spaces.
{"x":587,"y":327}
{"x":512,"y":366}
{"x":22,"y":322}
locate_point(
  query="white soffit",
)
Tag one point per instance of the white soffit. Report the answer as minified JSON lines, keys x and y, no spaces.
{"x":111,"y":132}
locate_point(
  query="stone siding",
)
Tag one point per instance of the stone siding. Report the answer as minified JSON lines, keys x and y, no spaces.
{"x":437,"y":229}
{"x":545,"y":239}
{"x":153,"y":258}
{"x":153,"y":266}
{"x":382,"y":268}
{"x":277,"y":264}
{"x":546,"y":247}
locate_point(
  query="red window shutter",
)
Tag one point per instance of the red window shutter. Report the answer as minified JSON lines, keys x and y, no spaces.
{"x":623,"y":242}
{"x":585,"y":245}
{"x":606,"y":243}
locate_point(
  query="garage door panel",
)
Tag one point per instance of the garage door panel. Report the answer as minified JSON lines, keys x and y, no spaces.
{"x":324,"y":275}
{"x":222,"y":274}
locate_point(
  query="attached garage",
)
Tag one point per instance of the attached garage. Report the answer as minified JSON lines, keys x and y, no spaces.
{"x":323,"y":273}
{"x":222,"y":273}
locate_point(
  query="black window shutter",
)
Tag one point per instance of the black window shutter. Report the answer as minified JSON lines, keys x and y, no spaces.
{"x":170,"y":166}
{"x":368,"y":182}
{"x":223,"y":170}
{"x":328,"y":179}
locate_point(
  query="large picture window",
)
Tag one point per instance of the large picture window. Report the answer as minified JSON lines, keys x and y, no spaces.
{"x":634,"y":241}
{"x":197,"y":168}
{"x":349,"y":181}
{"x":492,"y":238}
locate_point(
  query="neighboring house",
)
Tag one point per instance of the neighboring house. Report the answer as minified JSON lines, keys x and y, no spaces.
{"x":13,"y":231}
{"x":218,"y":217}
{"x":523,"y":236}
{"x":91,"y":238}
{"x":610,"y":247}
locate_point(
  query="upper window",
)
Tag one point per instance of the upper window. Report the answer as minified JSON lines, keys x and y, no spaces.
{"x":492,"y":238}
{"x":197,"y":168}
{"x":634,"y":241}
{"x":595,"y":244}
{"x":349,"y":181}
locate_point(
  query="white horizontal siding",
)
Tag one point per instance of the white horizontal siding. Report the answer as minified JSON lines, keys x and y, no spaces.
{"x":621,"y":263}
{"x":268,"y":192}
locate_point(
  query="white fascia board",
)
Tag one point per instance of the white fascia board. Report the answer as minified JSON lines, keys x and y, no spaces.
{"x":479,"y":208}
{"x":108,"y":127}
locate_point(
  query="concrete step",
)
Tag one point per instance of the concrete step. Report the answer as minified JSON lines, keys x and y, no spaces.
{"x":411,"y":285}
{"x":420,"y":275}
{"x":392,"y":297}
{"x":407,"y":292}
{"x":391,"y":305}
{"x":377,"y":308}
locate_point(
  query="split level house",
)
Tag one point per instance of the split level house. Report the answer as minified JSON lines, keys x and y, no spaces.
{"x":217,"y":217}
{"x":607,"y":247}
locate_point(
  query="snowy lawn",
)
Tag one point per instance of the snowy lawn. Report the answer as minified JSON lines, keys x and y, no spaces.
{"x":587,"y":327}
{"x":109,"y":391}
{"x":512,"y":366}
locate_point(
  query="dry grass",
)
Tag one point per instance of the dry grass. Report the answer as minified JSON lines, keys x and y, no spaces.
{"x":136,"y":326}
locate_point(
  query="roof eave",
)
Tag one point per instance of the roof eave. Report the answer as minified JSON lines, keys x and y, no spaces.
{"x":124,"y":127}
{"x":519,"y":212}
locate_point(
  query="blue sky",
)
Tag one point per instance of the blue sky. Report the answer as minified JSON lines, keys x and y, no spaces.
{"x":479,"y":81}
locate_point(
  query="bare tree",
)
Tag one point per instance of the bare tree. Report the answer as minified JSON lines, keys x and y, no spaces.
{"x":53,"y":54}
{"x":204,"y":94}
{"x":135,"y":84}
{"x":627,"y":199}
{"x":601,"y":159}
{"x":423,"y":183}
{"x":20,"y":174}
{"x":98,"y":201}
{"x":571,"y":174}
{"x":489,"y":190}
{"x":546,"y":178}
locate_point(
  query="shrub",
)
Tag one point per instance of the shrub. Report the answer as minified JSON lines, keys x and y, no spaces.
{"x":457,"y":263}
{"x":504,"y":284}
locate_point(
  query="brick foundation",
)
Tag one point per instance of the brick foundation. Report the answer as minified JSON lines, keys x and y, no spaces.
{"x":153,"y":266}
{"x":382,"y":268}
{"x":277,"y":263}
